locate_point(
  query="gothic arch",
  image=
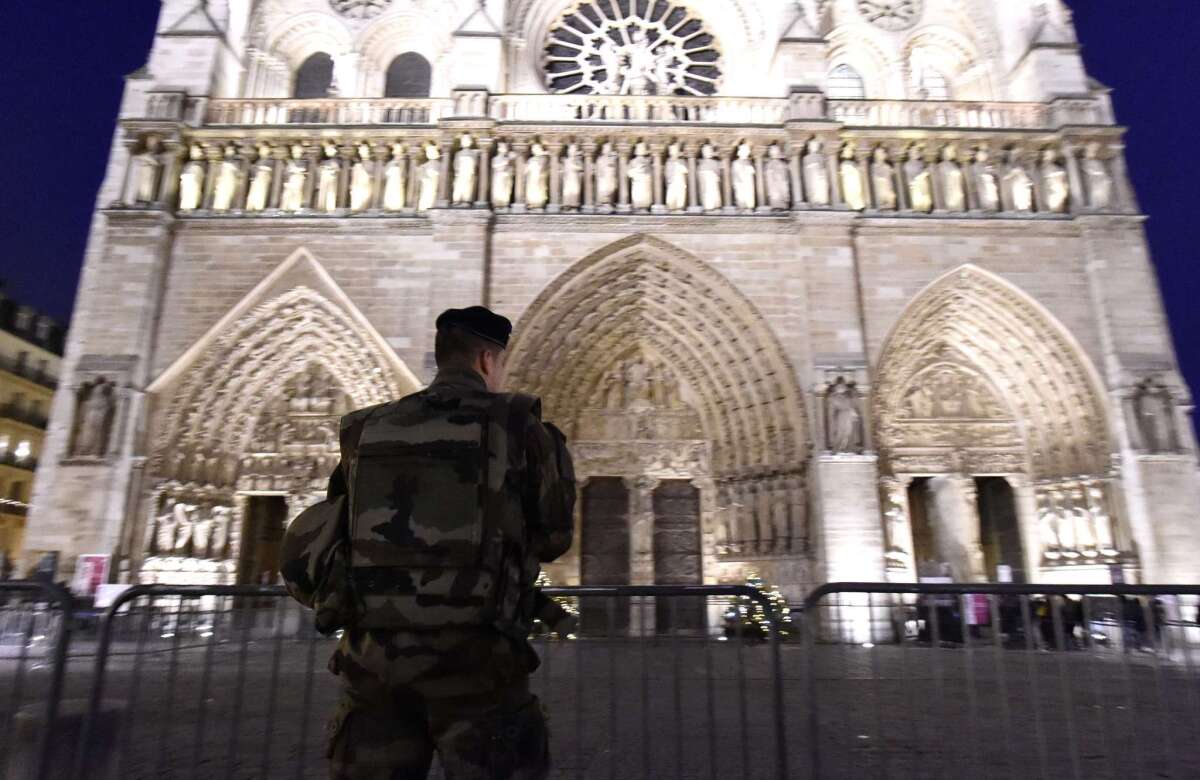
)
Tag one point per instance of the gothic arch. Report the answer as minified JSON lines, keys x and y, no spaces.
{"x":644,"y":290}
{"x":1036,"y":372}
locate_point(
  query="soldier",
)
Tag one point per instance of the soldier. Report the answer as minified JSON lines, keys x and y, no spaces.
{"x":425,"y":552}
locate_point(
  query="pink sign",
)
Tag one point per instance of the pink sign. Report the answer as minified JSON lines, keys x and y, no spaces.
{"x":91,"y":571}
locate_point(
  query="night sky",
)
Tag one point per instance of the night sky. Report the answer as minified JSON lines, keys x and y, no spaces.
{"x":62,"y":80}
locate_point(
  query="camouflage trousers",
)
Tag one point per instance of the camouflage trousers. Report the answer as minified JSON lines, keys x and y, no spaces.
{"x":381,"y":732}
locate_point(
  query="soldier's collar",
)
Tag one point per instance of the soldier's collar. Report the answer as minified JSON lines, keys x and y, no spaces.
{"x":459,"y":377}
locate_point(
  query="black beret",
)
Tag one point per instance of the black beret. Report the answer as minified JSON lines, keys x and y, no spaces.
{"x":480,"y":321}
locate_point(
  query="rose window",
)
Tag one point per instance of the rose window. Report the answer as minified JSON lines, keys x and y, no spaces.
{"x":631,"y":47}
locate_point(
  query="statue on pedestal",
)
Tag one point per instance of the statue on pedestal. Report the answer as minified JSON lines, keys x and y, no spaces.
{"x":850,"y":175}
{"x":94,"y":419}
{"x":502,"y":176}
{"x":327,"y":180}
{"x":709,"y":174}
{"x":393,"y":180}
{"x":537,"y":177}
{"x":744,"y":178}
{"x":920,"y":183}
{"x":606,"y":175}
{"x":779,"y":179}
{"x":292,"y":198}
{"x":676,"y":175}
{"x":430,"y":178}
{"x":191,"y":181}
{"x":1155,"y":414}
{"x":953,"y":183}
{"x":845,"y":421}
{"x":1099,"y":180}
{"x":641,"y":178}
{"x":229,"y":180}
{"x":362,"y":184}
{"x":220,"y":533}
{"x":816,"y":174}
{"x":883,"y":176}
{"x":572,"y":178}
{"x":1055,"y":187}
{"x":259,"y":193}
{"x":164,"y":532}
{"x":184,"y":526}
{"x":466,"y":169}
{"x":986,"y":181}
{"x":1018,"y":185}
{"x":143,"y":174}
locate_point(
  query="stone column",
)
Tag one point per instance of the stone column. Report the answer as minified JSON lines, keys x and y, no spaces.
{"x":862,"y":156}
{"x":443,"y":198}
{"x":1078,"y":201}
{"x":693,"y":183}
{"x":1029,"y":524}
{"x":641,"y":550}
{"x":899,"y":156}
{"x":727,"y":181}
{"x":624,"y":149}
{"x":956,"y":534}
{"x":168,"y":190}
{"x":555,"y":204}
{"x":347,"y":154}
{"x":794,"y":166}
{"x":247,"y":155}
{"x":381,"y":152}
{"x":656,"y":155}
{"x":760,"y":180}
{"x":1124,"y":197}
{"x":833,"y":159}
{"x":483,"y":194}
{"x":213,"y":155}
{"x":416,"y":156}
{"x":589,"y":176}
{"x":313,"y":155}
{"x":900,"y":554}
{"x":280,"y":154}
{"x":521,"y":150}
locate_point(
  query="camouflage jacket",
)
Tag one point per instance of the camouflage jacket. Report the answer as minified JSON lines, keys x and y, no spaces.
{"x":317,"y":570}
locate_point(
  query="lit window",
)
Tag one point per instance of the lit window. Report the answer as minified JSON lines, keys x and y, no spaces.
{"x":23,"y":450}
{"x":846,"y":84}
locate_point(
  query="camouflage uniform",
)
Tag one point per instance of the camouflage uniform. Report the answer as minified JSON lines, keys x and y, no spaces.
{"x":423,"y":672}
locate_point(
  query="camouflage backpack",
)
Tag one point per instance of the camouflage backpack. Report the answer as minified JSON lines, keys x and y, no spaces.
{"x":436,"y":525}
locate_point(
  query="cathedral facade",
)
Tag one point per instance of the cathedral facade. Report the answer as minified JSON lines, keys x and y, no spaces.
{"x":827,"y":289}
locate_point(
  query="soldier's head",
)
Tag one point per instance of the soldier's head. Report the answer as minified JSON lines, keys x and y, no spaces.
{"x":473,"y":339}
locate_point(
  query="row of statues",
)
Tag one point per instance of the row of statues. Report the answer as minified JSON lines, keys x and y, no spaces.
{"x":191,"y":531}
{"x":626,"y":177}
{"x":1075,"y":522}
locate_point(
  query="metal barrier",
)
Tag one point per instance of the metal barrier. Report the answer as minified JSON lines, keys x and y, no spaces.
{"x":907,"y":680}
{"x":35,"y":623}
{"x":223,"y":681}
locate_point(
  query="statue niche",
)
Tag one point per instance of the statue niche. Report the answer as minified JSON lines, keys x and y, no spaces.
{"x":1153,"y":411}
{"x":95,"y":404}
{"x":843,"y":418}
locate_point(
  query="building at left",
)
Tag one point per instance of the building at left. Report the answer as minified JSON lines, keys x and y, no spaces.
{"x":31,"y":346}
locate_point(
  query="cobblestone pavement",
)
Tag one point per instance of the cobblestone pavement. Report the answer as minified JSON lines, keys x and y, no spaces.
{"x":201,"y":707}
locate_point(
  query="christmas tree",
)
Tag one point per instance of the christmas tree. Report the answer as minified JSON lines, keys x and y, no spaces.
{"x":553,"y":617}
{"x":746,"y":617}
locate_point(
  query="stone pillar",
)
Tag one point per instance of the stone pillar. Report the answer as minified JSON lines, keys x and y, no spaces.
{"x":795,"y":167}
{"x":1124,"y":197}
{"x":416,"y":156}
{"x":933,"y":159}
{"x":623,"y":151}
{"x":693,"y":183}
{"x":213,"y":155}
{"x":862,"y":156}
{"x":347,"y":154}
{"x":174,"y":158}
{"x":833,"y":159}
{"x":656,"y":155}
{"x":280,"y":154}
{"x":1029,"y":524}
{"x":899,"y":155}
{"x":641,"y":550}
{"x":727,"y":181}
{"x":589,"y":176}
{"x":313,"y":155}
{"x":1078,"y":201}
{"x":443,"y":198}
{"x":483,"y":195}
{"x":521,"y":150}
{"x":380,"y":154}
{"x":760,"y":180}
{"x":247,"y":154}
{"x":555,"y":204}
{"x":900,"y":554}
{"x":956,"y":532}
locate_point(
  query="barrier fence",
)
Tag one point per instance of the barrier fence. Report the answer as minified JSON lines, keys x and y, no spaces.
{"x":870,"y":680}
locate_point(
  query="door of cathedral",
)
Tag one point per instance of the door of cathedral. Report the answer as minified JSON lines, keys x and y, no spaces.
{"x":999,"y":530}
{"x":677,"y":558}
{"x":948,"y":541}
{"x":605,"y":552}
{"x":262,"y":534}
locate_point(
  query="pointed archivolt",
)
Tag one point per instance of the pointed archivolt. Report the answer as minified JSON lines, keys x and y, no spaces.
{"x":643,"y":291}
{"x":1027,"y":361}
{"x":213,"y":394}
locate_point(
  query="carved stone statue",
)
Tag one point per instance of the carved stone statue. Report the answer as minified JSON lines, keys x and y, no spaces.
{"x":229,"y":180}
{"x":201,"y":536}
{"x":1018,"y":185}
{"x":94,"y":419}
{"x":143,"y":174}
{"x":1155,"y":412}
{"x":393,"y":180}
{"x":1055,"y":188}
{"x":986,"y":181}
{"x":502,"y":176}
{"x":292,"y":198}
{"x":191,"y":181}
{"x":641,"y":178}
{"x":676,"y":174}
{"x":950,"y":176}
{"x":850,"y":176}
{"x":537,"y":178}
{"x":709,"y":174}
{"x":779,"y":179}
{"x":744,"y":179}
{"x":220,"y":532}
{"x":606,"y":176}
{"x":466,"y":170}
{"x":920,"y":183}
{"x":259,"y":193}
{"x":164,"y":532}
{"x":572,"y":178}
{"x":327,"y":180}
{"x":816,"y":174}
{"x":883,"y":177}
{"x":845,"y":421}
{"x":184,"y":525}
{"x":430,"y":178}
{"x":362,"y":183}
{"x":1099,"y":180}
